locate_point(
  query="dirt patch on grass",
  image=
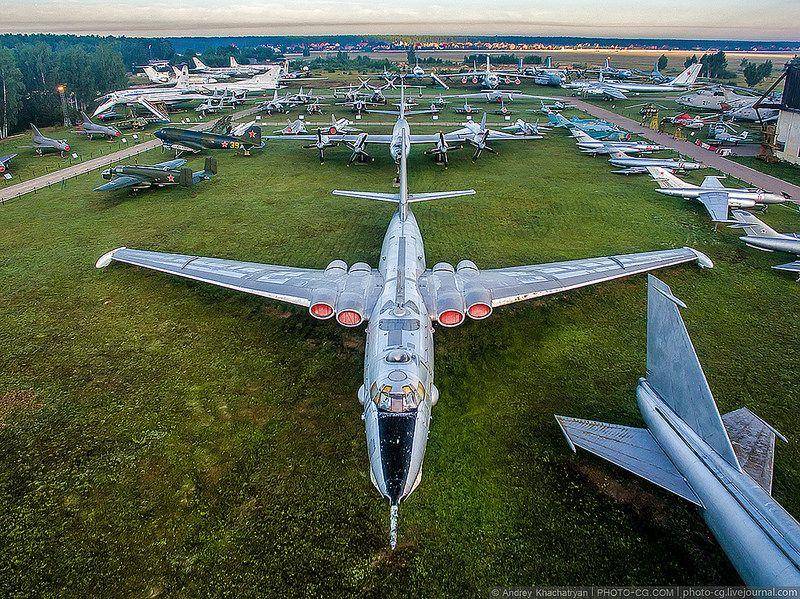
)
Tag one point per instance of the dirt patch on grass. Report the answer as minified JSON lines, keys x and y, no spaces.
{"x":641,"y":502}
{"x":17,"y":400}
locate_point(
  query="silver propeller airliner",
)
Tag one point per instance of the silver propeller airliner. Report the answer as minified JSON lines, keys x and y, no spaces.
{"x":400,"y":301}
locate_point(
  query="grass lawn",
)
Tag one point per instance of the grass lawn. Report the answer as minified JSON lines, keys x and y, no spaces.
{"x":160,"y":437}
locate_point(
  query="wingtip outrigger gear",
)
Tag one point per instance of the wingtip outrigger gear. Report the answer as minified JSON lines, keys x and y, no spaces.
{"x":393,"y":526}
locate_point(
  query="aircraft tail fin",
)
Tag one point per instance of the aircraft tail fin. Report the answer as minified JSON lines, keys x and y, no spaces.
{"x":233,"y":62}
{"x":152,"y":75}
{"x":753,"y":227}
{"x":674,"y":371}
{"x":666,"y":179}
{"x":689,"y":76}
{"x":252,"y":135}
{"x":210,"y":166}
{"x":395,"y":197}
{"x":36,"y":133}
{"x":198,"y":63}
{"x":185,"y":178}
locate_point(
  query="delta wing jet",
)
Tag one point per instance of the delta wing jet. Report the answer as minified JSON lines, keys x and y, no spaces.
{"x":589,"y":145}
{"x":47,"y":145}
{"x":720,"y":463}
{"x":630,"y":165}
{"x":715,"y":197}
{"x":5,"y":165}
{"x":164,"y":174}
{"x":761,"y":237}
{"x":593,"y":128}
{"x":400,"y":301}
{"x":90,"y":129}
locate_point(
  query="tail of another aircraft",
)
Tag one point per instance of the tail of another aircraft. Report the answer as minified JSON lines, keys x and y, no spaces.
{"x":198,"y":63}
{"x":688,"y":77}
{"x":752,"y":226}
{"x":252,"y":135}
{"x":36,"y":133}
{"x":153,"y":75}
{"x":234,"y":63}
{"x":666,"y":179}
{"x":675,"y":373}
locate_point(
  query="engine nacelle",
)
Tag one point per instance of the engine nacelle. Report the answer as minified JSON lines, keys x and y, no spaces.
{"x":477,"y":299}
{"x":352,"y":299}
{"x":448,"y":298}
{"x":323,"y":303}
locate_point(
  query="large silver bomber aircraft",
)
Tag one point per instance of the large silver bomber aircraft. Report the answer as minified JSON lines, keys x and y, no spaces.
{"x":401,"y":300}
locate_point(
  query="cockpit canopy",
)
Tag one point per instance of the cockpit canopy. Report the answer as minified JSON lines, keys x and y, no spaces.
{"x":398,"y":396}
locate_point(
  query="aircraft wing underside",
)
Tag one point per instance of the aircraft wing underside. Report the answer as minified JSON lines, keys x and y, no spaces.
{"x":284,"y":283}
{"x":519,"y":283}
{"x":716,"y":203}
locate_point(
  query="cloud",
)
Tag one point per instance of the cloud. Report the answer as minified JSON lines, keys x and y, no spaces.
{"x":768,"y":19}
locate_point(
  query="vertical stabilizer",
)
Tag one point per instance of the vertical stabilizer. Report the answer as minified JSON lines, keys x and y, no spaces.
{"x":753,"y":227}
{"x":675,"y":373}
{"x":689,"y":76}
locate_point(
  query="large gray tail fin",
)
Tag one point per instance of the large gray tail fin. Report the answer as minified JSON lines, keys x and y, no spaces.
{"x":675,"y":373}
{"x":752,"y":226}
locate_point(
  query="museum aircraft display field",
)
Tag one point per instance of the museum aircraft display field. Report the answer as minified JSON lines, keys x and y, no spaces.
{"x":161,"y":435}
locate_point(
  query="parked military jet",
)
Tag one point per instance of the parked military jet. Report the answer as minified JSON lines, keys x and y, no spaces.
{"x":618,"y":89}
{"x":655,"y":75}
{"x":724,"y":133}
{"x":5,"y":165}
{"x":608,"y":71}
{"x":164,"y":174}
{"x":237,"y":71}
{"x":589,"y":145}
{"x":417,"y":74}
{"x":487,"y":78}
{"x":188,"y":140}
{"x":521,"y":127}
{"x":400,"y":300}
{"x":292,"y":127}
{"x":474,"y":134}
{"x":597,"y":129}
{"x":721,"y":464}
{"x":466,"y":109}
{"x":636,"y":165}
{"x":90,"y":129}
{"x":761,"y":237}
{"x":46,"y":145}
{"x":715,"y":197}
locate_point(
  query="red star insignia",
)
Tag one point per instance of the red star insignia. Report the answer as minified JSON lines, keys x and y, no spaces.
{"x":252,"y":134}
{"x":171,"y":178}
{"x":224,"y":144}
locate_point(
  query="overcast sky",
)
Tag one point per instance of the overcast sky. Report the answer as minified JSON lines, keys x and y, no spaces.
{"x":728,"y":19}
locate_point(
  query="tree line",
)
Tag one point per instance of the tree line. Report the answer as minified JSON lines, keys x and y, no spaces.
{"x":35,"y":70}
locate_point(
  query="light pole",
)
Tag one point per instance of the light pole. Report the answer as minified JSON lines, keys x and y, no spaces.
{"x":62,"y":94}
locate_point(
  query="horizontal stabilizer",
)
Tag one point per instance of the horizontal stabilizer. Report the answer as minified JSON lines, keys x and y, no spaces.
{"x":791,"y":266}
{"x":633,"y":449}
{"x":395,"y":197}
{"x":752,"y":226}
{"x":754,"y":443}
{"x":439,"y":195}
{"x":674,"y":371}
{"x":368,"y":195}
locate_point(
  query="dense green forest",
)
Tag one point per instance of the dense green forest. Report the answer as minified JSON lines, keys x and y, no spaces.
{"x":34,"y":67}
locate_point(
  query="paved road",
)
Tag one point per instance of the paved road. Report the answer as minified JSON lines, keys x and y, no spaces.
{"x":707,"y":157}
{"x":81,"y":168}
